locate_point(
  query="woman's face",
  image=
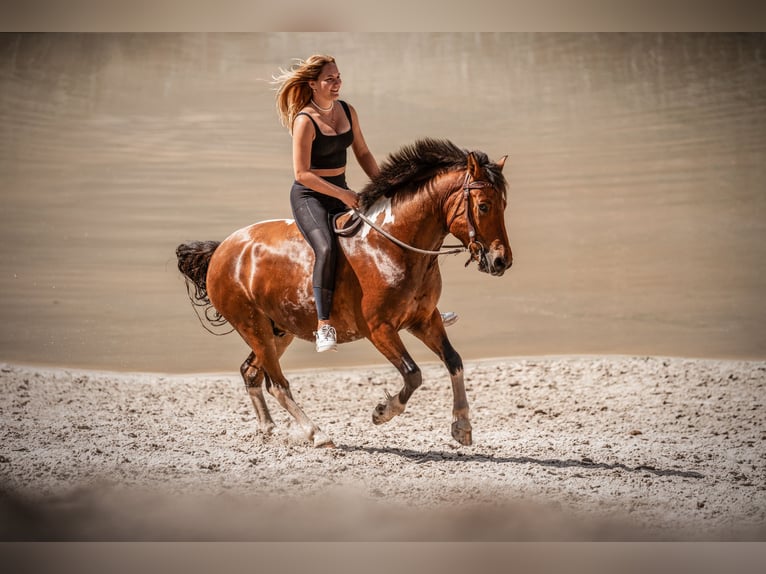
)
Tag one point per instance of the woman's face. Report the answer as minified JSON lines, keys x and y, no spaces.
{"x":328,"y":83}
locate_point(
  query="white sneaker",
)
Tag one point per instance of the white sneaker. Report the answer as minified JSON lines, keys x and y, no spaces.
{"x":326,"y":339}
{"x":449,"y":318}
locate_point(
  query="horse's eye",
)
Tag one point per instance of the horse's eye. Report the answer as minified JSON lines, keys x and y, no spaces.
{"x":484,"y":208}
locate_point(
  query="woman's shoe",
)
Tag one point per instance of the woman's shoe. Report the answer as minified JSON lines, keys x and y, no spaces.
{"x":449,"y":318}
{"x":326,"y":339}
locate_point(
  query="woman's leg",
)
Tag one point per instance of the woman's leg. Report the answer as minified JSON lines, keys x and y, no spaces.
{"x":313,"y":216}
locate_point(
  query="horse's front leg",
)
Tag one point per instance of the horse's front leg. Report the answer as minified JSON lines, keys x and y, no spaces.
{"x":432,"y":333}
{"x":388,"y":342}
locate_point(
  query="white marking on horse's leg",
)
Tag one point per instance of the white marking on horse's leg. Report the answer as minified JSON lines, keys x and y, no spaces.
{"x":253,"y":377}
{"x":461,"y":424}
{"x":265,"y":423}
{"x":312,"y":432}
{"x":384,"y":412}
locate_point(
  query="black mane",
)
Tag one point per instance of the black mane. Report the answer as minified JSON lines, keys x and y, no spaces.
{"x":413,"y":165}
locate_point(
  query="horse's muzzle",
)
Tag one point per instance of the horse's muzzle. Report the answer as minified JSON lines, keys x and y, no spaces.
{"x":492,"y":261}
{"x":496,"y":262}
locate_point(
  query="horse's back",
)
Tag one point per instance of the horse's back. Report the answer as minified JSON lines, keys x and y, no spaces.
{"x":275,"y":239}
{"x":271,"y":231}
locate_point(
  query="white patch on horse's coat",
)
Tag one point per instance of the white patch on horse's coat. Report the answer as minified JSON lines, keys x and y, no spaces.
{"x":382,"y":206}
{"x":297,"y":300}
{"x":304,"y":298}
{"x":238,"y":266}
{"x":253,"y":269}
{"x":296,"y":253}
{"x":242,"y":235}
{"x":393,"y":273}
{"x":286,"y":221}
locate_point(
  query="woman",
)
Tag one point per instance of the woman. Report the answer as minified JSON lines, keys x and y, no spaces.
{"x":322,"y":127}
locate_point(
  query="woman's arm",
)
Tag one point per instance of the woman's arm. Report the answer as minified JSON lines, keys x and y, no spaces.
{"x":303,"y":135}
{"x":361,"y":151}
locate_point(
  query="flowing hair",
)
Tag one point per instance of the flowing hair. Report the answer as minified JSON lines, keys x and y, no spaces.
{"x":292,"y":86}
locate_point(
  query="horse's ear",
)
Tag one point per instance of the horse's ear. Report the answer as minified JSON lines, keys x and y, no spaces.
{"x":474,"y":169}
{"x":501,"y":162}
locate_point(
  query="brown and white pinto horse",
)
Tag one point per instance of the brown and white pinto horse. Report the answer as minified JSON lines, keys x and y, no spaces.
{"x":259,"y":278}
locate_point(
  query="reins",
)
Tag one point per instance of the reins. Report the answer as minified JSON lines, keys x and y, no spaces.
{"x":448,"y":249}
{"x":451,"y":250}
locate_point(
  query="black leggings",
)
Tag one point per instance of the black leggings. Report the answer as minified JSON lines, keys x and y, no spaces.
{"x":314,"y":212}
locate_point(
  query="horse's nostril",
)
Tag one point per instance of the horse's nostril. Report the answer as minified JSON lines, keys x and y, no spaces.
{"x":500,"y":263}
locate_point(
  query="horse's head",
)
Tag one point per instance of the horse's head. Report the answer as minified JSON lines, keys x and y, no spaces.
{"x":482,"y":227}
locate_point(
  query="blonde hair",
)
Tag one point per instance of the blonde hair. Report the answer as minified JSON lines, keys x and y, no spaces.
{"x":293,"y":90}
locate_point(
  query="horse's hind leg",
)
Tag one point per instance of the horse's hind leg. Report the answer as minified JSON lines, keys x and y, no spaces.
{"x":279,"y":388}
{"x":265,"y":359}
{"x":253,"y":377}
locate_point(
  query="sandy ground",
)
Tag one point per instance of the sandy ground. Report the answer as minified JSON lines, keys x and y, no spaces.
{"x":580,"y":448}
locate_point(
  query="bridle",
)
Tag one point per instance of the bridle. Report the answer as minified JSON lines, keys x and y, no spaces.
{"x":476,"y":248}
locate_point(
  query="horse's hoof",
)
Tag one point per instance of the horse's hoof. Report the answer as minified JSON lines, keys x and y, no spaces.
{"x":379,"y":415}
{"x":321,"y":440}
{"x":268,"y":429}
{"x":461,"y":432}
{"x":384,"y":412}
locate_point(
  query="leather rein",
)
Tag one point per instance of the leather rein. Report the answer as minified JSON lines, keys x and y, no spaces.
{"x":478,"y":253}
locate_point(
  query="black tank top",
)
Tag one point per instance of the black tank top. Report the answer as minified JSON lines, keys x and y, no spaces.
{"x":329,"y":152}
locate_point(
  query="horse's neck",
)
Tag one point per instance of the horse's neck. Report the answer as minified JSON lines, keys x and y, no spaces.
{"x":417,"y":221}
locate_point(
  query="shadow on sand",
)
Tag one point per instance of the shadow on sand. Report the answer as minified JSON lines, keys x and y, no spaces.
{"x":420,"y":457}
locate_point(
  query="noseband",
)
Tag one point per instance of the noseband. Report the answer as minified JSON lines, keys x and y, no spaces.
{"x":477,"y":250}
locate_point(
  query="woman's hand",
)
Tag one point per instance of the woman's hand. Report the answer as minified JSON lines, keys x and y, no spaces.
{"x":350,"y":198}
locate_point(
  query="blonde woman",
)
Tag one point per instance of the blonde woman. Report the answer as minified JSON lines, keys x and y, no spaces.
{"x":323,"y":127}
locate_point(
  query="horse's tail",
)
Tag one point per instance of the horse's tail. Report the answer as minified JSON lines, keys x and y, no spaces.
{"x":193,"y":260}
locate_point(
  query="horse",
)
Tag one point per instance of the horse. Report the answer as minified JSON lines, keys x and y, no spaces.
{"x":387,"y":275}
